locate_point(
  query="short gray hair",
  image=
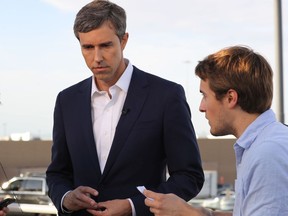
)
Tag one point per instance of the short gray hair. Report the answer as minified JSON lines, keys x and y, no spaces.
{"x":95,"y":13}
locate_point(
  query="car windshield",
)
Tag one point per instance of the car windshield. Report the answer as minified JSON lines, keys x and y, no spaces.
{"x":24,"y":185}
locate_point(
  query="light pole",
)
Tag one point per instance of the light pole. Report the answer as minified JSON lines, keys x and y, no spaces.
{"x":279,"y":59}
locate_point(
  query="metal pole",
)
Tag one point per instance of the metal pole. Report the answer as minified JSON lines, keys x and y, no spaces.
{"x":279,"y":58}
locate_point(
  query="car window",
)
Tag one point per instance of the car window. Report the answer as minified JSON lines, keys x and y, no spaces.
{"x":14,"y":186}
{"x":31,"y":185}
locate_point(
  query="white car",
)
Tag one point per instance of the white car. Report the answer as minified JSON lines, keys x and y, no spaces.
{"x":30,"y":193}
{"x":224,"y":201}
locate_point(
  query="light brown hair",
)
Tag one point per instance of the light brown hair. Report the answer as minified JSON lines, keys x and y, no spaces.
{"x":243,"y":70}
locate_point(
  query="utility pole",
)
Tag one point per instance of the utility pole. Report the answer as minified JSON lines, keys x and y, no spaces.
{"x":279,"y":60}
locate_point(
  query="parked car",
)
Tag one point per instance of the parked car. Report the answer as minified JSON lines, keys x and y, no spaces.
{"x":223,"y":201}
{"x":30,"y":193}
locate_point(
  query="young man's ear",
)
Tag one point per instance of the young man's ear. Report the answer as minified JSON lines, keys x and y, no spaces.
{"x":232,"y":97}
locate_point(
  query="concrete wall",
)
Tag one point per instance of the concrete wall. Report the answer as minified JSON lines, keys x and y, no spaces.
{"x":218,"y":154}
{"x":18,"y":157}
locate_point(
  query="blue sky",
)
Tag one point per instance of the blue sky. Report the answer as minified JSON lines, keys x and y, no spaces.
{"x":40,"y":55}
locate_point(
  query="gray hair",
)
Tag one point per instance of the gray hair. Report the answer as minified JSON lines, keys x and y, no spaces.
{"x":97,"y":12}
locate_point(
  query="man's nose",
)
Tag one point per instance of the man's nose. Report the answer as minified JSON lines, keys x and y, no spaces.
{"x":98,"y":57}
{"x":201,"y":106}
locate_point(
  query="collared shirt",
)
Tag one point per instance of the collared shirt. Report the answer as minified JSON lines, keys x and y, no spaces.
{"x":262,"y":168}
{"x":106,"y":112}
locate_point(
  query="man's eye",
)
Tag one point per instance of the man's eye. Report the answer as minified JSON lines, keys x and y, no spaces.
{"x":106,"y":45}
{"x":87,"y":46}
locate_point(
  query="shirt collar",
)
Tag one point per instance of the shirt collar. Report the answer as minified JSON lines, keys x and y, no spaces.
{"x":250,"y":134}
{"x":252,"y":131}
{"x":123,"y":82}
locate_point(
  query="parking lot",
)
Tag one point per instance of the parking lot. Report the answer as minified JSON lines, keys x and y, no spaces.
{"x":31,"y":196}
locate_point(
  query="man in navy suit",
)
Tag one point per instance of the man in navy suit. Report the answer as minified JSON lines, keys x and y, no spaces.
{"x":118,"y":129}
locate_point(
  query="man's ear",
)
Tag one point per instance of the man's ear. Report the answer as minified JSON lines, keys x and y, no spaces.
{"x":232,"y":97}
{"x":124,"y":40}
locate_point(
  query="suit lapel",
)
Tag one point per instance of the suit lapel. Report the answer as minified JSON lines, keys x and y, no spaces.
{"x":85,"y":123}
{"x":136,"y":96}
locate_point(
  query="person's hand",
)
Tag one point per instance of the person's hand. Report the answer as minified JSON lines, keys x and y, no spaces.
{"x":168,"y":205}
{"x":80,"y":198}
{"x":172,"y":205}
{"x":119,"y":207}
{"x":4,"y":211}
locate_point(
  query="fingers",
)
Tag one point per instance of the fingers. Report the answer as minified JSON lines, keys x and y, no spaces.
{"x":4,"y":211}
{"x":151,"y":199}
{"x":97,"y":211}
{"x":87,"y":190}
{"x":152,"y":195}
{"x":80,"y":198}
{"x":83,"y":194}
{"x":148,"y":193}
{"x":112,"y":207}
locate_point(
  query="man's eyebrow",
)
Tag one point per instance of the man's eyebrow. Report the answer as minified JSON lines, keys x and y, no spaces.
{"x":100,"y":44}
{"x":86,"y":44}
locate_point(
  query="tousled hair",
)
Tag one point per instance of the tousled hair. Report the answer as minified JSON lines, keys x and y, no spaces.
{"x":241,"y":69}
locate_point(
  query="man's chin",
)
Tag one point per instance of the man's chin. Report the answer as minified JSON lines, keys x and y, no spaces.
{"x":217,"y":133}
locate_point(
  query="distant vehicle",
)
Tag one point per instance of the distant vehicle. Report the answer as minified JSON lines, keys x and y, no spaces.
{"x":209,"y":188}
{"x":223,"y":201}
{"x":30,"y":193}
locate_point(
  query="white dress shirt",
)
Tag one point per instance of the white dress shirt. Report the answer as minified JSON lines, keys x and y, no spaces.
{"x":106,"y":112}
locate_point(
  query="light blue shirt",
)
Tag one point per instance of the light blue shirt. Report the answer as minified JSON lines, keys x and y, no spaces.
{"x":262,"y":168}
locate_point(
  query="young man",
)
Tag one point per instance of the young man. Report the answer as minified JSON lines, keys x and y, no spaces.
{"x":237,"y":89}
{"x":118,"y":129}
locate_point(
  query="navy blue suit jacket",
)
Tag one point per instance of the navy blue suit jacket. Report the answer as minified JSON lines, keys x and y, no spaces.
{"x":154,"y":131}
